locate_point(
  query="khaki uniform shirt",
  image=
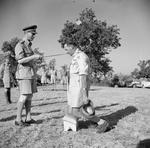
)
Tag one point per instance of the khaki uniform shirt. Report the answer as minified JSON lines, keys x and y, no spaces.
{"x":6,"y":74}
{"x":43,"y":75}
{"x":80,"y":65}
{"x":53,"y":76}
{"x":25,"y":70}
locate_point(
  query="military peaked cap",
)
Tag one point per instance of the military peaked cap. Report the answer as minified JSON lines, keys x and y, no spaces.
{"x":31,"y":29}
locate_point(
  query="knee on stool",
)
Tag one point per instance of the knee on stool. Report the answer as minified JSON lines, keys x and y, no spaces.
{"x":70,"y":123}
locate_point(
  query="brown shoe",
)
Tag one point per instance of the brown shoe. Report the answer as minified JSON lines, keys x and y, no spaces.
{"x":21,"y":123}
{"x":32,"y":121}
{"x":102,"y":126}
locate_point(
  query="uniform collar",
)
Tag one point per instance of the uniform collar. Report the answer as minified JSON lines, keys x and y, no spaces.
{"x":76,"y":52}
{"x":27,"y":42}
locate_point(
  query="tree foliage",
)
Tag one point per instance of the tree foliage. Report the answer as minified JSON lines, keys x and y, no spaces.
{"x":2,"y":57}
{"x":9,"y":46}
{"x":37,"y":51}
{"x":143,"y":70}
{"x":8,"y":49}
{"x":92,"y":36}
{"x":40,"y":62}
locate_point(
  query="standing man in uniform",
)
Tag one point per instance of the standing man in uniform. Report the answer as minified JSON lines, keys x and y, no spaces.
{"x":26,"y":74}
{"x":79,"y":105}
{"x":63,"y":76}
{"x":43,"y":75}
{"x":53,"y":74}
{"x":5,"y":71}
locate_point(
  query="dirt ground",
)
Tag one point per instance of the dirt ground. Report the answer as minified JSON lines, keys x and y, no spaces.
{"x":126,"y":109}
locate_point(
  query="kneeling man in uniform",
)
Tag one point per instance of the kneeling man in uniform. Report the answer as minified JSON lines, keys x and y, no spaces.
{"x":79,"y":105}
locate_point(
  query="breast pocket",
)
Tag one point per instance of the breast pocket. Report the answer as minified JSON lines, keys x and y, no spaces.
{"x":25,"y":72}
{"x":74,"y":68}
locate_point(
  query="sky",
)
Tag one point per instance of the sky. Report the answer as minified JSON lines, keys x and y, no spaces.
{"x":131,"y":16}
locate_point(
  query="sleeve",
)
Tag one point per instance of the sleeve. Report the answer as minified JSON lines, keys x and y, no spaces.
{"x":19,"y":52}
{"x":1,"y":70}
{"x":83,"y":65}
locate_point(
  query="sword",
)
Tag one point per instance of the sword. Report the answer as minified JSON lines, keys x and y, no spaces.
{"x":54,"y":55}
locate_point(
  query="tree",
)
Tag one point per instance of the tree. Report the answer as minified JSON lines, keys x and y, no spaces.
{"x":8,"y":48}
{"x":41,"y":61}
{"x":143,"y":70}
{"x":135,"y":73}
{"x":92,"y":36}
{"x":2,"y":57}
{"x":13,"y":42}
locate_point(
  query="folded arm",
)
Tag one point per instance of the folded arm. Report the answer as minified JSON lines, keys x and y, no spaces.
{"x":28,"y":59}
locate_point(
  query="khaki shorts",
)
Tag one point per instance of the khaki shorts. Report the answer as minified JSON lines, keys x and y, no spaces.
{"x":27,"y":86}
{"x":6,"y":83}
{"x":74,"y":93}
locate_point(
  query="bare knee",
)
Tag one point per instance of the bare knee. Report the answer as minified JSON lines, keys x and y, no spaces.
{"x":23,"y":98}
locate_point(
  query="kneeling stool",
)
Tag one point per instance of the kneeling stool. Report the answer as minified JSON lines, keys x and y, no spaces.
{"x":70,"y":123}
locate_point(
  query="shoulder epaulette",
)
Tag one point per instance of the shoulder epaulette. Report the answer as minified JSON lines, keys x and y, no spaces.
{"x":22,"y":42}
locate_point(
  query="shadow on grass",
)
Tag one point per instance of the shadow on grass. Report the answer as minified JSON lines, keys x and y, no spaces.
{"x":13,"y":117}
{"x":95,"y":89}
{"x":54,"y":117}
{"x":43,"y":104}
{"x":144,"y":144}
{"x":40,"y":121}
{"x":48,"y":89}
{"x":46,"y":99}
{"x":54,"y":111}
{"x":63,"y":89}
{"x":86,"y":124}
{"x":10,"y":109}
{"x":113,"y":118}
{"x":58,"y":117}
{"x":100,"y":107}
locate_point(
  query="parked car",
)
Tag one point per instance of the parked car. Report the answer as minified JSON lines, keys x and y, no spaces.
{"x":139,"y":84}
{"x":116,"y":82}
{"x":145,"y":84}
{"x":135,"y":84}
